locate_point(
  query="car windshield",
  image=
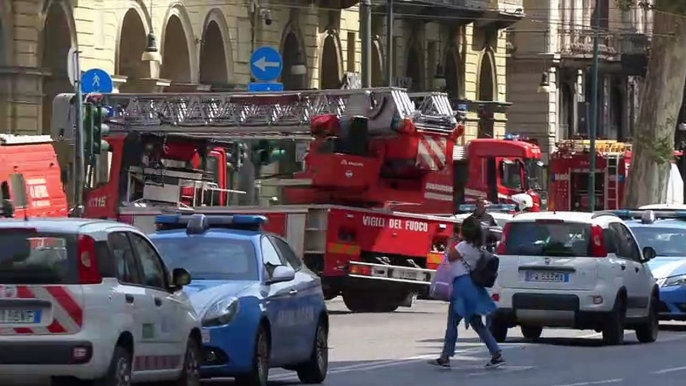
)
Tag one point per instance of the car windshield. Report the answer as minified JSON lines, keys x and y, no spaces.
{"x":665,"y":241}
{"x":548,"y":239}
{"x":210,"y":258}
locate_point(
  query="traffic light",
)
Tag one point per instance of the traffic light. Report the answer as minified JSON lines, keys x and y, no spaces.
{"x":266,"y":152}
{"x":88,"y":129}
{"x":242,"y":154}
{"x":100,"y":129}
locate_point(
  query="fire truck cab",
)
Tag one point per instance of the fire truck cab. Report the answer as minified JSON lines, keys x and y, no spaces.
{"x":485,"y":167}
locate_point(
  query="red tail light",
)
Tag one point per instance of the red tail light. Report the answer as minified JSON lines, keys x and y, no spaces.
{"x":88,"y":263}
{"x":598,"y":242}
{"x":502,"y":247}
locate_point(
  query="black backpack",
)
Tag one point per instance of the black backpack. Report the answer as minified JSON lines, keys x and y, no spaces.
{"x":485,"y":272}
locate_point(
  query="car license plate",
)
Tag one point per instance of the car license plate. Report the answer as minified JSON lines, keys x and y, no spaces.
{"x":19,"y":316}
{"x":205,"y":335}
{"x":406,"y":275}
{"x":548,"y":277}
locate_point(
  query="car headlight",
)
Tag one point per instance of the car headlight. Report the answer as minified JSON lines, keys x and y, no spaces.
{"x":674,"y":281}
{"x":221,"y":313}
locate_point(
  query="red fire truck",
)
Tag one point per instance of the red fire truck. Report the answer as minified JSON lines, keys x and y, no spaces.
{"x":366,"y":147}
{"x":570,"y":168}
{"x":493,"y":168}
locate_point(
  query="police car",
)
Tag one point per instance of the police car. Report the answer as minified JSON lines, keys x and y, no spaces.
{"x":92,"y":300}
{"x":260,"y":306}
{"x":664,"y":231}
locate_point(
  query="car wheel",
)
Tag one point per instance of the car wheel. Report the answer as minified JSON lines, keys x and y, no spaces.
{"x":532,"y":332}
{"x":190,"y":375}
{"x":648,"y":332}
{"x":498,"y":330}
{"x":119,"y":372}
{"x":314,"y":371}
{"x":259,"y":374}
{"x":613,"y":331}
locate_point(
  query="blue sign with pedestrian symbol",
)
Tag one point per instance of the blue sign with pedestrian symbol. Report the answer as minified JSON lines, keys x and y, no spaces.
{"x":266,"y":64}
{"x":96,"y":80}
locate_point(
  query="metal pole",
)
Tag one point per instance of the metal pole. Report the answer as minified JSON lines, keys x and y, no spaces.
{"x":389,"y":42}
{"x":594,"y":109}
{"x":366,"y":31}
{"x":79,"y":164}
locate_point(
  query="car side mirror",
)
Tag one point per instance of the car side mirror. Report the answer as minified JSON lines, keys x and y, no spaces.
{"x":649,"y":253}
{"x":180,"y":277}
{"x":281,"y":274}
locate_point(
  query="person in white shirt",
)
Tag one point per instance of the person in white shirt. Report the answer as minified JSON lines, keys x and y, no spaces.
{"x":469,"y":301}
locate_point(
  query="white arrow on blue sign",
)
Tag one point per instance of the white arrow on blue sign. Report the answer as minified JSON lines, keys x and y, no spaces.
{"x":266,"y":64}
{"x":96,"y":80}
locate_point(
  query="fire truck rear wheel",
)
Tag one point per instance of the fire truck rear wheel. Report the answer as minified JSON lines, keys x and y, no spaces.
{"x":370,"y":302}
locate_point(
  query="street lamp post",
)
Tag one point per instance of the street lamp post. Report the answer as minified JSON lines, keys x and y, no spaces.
{"x":594,"y":109}
{"x":389,"y":42}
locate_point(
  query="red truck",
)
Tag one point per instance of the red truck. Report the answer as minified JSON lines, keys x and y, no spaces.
{"x":493,"y":168}
{"x":367,"y":149}
{"x":570,"y":168}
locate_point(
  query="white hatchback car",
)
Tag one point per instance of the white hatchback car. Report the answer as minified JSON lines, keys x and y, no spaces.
{"x":91,"y":302}
{"x":575,"y":270}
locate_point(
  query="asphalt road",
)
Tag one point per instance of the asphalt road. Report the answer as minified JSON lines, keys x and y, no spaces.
{"x":393,"y":349}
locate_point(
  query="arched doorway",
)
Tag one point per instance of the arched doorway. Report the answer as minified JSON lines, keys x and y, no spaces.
{"x":453,"y":74}
{"x":291,"y":53}
{"x":176,"y":64}
{"x":213,"y":57}
{"x":55,"y":43}
{"x":486,"y":93}
{"x":377,"y":65}
{"x":132,"y":42}
{"x":329,"y":70}
{"x":413,"y":68}
{"x":566,"y":118}
{"x":486,"y":81}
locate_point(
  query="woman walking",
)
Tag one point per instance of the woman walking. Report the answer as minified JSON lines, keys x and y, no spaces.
{"x":469,"y":301}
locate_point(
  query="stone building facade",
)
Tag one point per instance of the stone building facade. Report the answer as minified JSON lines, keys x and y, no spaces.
{"x":556,"y":38}
{"x":207,"y":45}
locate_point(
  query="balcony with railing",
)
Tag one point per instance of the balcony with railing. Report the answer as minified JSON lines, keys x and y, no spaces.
{"x":464,"y":11}
{"x":503,"y":13}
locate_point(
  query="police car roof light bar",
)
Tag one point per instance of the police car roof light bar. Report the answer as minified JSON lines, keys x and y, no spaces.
{"x":649,"y":216}
{"x":200,"y":223}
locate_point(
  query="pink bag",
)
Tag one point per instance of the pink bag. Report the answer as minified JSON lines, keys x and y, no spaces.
{"x":442,"y":284}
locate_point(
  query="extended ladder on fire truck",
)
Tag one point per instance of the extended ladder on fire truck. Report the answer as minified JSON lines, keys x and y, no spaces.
{"x":241,"y":115}
{"x":613,"y":152}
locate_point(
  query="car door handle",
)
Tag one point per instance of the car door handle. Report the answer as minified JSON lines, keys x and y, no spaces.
{"x":623,"y":267}
{"x":158,"y":301}
{"x":293,"y":292}
{"x":129,"y":298}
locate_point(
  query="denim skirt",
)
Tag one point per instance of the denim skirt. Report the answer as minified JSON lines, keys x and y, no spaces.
{"x":469,"y":299}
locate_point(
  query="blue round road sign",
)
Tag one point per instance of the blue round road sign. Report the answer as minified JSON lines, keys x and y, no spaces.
{"x":266,"y":64}
{"x":96,"y":80}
